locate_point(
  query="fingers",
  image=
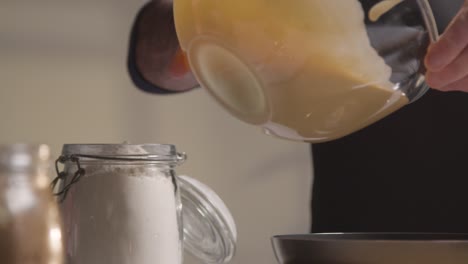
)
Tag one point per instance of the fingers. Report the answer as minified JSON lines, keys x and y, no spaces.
{"x":447,"y":59}
{"x":451,"y":43}
{"x":455,"y":71}
{"x":460,"y":85}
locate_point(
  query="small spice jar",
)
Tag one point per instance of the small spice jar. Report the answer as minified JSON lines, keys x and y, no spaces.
{"x":30,"y":229}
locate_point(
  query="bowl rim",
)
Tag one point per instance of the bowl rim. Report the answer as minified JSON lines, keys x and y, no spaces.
{"x":360,"y":237}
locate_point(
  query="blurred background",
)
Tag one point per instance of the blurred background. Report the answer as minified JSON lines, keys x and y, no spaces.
{"x":63,"y":80}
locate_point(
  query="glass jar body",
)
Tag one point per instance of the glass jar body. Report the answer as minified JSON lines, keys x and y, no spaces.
{"x":122,"y":213}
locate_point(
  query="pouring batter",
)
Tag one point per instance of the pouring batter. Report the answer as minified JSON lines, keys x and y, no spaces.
{"x":382,"y":8}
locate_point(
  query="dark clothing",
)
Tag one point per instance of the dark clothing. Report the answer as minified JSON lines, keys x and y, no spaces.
{"x":405,"y":173}
{"x":135,"y":74}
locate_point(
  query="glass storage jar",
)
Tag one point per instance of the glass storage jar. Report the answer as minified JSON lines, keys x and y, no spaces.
{"x":123,"y":204}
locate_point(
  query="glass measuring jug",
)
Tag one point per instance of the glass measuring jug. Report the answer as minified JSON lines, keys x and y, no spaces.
{"x":308,"y":70}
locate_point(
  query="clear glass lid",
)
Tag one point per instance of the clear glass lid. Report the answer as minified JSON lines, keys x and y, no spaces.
{"x":209,"y":229}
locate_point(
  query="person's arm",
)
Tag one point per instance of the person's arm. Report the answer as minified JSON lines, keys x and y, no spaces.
{"x":447,"y":59}
{"x":156,"y":63}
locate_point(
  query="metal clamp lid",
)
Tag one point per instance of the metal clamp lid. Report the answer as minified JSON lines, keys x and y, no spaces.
{"x":109,"y":153}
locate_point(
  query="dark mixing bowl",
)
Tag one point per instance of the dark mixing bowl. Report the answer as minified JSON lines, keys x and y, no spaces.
{"x":372,"y":248}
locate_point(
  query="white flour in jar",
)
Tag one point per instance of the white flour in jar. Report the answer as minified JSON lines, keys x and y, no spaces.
{"x":122,"y":214}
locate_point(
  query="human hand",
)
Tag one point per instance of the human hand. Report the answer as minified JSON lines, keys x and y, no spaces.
{"x":447,"y":59}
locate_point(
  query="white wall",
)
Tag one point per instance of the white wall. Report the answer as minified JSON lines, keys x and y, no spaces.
{"x":63,"y":80}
